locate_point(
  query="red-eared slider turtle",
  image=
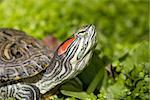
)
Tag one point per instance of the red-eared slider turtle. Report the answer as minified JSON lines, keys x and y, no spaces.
{"x":28,"y":68}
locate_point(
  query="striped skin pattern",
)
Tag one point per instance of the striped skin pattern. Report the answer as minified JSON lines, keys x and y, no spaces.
{"x":20,"y":92}
{"x":69,"y":59}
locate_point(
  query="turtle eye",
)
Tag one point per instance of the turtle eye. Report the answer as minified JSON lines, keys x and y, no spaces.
{"x":64,"y":46}
{"x":82,"y":33}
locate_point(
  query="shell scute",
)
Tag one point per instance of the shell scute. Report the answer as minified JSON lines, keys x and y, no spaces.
{"x":21,"y":56}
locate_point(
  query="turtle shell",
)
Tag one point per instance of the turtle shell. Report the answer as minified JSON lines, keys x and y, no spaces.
{"x":21,"y":56}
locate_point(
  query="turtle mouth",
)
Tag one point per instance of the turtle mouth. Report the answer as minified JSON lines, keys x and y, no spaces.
{"x":89,"y":41}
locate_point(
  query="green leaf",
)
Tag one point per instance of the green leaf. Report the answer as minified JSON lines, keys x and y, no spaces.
{"x":79,"y":95}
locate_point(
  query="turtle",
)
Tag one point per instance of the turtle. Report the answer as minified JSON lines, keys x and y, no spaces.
{"x":29,"y":69}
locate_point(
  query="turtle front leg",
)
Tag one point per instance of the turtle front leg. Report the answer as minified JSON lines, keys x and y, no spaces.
{"x":20,"y":92}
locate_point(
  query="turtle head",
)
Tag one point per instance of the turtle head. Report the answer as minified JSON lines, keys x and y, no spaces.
{"x":77,"y":50}
{"x":70,"y":58}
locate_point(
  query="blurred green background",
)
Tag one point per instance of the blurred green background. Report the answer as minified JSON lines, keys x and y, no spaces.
{"x":120,"y":65}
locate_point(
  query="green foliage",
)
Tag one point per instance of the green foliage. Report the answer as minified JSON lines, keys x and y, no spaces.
{"x":132,"y":81}
{"x":122,"y":27}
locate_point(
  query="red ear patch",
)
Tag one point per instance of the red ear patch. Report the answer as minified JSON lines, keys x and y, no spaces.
{"x":63,"y":48}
